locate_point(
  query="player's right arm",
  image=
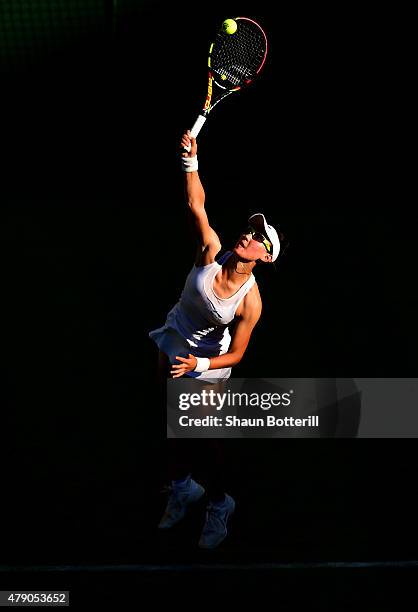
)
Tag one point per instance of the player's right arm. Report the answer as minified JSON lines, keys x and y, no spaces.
{"x":208,"y":241}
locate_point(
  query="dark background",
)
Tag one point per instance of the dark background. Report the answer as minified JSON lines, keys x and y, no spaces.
{"x":97,"y":246}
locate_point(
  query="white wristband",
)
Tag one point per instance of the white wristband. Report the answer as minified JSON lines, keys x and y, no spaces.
{"x":189,"y":164}
{"x":203,"y":364}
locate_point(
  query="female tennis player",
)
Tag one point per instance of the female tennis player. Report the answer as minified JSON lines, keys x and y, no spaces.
{"x":196,"y":341}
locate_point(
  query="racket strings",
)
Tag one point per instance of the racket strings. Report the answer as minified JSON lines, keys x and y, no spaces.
{"x":237,"y":58}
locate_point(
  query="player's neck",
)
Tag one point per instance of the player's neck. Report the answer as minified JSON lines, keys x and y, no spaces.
{"x":237,"y":270}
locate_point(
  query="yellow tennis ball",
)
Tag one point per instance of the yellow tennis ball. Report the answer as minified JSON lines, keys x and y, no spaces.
{"x":229,"y":26}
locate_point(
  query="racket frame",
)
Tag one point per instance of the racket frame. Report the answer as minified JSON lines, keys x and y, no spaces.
{"x":208,"y":106}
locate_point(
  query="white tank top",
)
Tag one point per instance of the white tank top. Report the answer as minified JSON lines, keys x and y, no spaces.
{"x":198,"y":323}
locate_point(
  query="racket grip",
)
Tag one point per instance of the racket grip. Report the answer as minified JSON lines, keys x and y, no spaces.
{"x":197,"y":126}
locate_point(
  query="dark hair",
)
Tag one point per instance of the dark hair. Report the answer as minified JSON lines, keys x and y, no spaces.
{"x":284,"y":244}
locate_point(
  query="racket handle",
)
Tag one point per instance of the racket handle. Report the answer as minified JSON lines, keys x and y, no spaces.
{"x":197,"y":126}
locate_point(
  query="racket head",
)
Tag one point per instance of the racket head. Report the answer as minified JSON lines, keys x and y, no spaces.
{"x":236,"y":59}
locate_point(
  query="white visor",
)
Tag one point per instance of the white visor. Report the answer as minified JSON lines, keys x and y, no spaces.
{"x":258,"y":221}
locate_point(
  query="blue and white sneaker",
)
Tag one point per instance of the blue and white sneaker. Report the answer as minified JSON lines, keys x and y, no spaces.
{"x":217,"y":515}
{"x":180,"y":498}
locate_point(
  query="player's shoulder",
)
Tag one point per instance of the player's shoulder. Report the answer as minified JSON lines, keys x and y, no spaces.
{"x":208,"y":254}
{"x":252,"y":300}
{"x":255,"y":294}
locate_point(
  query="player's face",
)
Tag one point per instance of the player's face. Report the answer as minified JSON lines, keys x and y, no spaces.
{"x":251,"y":246}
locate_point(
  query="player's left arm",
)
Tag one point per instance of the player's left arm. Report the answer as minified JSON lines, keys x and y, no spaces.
{"x":248,"y":317}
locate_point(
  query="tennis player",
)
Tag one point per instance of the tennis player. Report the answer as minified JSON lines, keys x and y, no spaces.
{"x":196,"y":341}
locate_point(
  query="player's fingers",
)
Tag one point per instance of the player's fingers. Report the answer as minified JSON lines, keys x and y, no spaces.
{"x":182,"y":359}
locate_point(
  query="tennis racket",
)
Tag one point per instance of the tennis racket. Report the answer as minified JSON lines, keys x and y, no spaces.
{"x":234,"y":62}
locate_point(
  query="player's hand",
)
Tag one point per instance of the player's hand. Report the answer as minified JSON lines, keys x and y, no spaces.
{"x":186,"y":365}
{"x":188,"y":141}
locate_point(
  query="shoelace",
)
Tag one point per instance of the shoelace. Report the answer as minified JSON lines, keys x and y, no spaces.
{"x":174,"y":502}
{"x":215,"y":518}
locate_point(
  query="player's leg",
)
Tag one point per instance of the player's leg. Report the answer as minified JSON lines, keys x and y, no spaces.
{"x":212,"y":459}
{"x":183,"y":490}
{"x":221,"y":505}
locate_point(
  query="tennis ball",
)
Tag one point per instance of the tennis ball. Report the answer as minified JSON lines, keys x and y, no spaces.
{"x":229,"y":26}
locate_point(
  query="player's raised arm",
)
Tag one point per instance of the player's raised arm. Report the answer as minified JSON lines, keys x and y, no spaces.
{"x":208,"y":241}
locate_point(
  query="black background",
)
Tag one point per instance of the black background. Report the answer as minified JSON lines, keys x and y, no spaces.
{"x":97,"y":247}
